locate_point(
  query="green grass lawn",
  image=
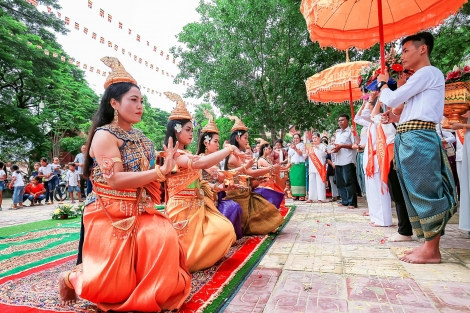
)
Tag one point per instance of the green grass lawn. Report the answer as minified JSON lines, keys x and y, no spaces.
{"x":11,"y":230}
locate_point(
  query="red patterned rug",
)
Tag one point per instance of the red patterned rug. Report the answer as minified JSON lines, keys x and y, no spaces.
{"x":29,"y":282}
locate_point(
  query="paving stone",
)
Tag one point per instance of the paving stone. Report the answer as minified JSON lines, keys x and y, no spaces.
{"x":388,"y":290}
{"x":448,"y":296}
{"x":455,"y":272}
{"x":373,"y":267}
{"x":254,"y":294}
{"x":273,"y":260}
{"x":308,"y":292}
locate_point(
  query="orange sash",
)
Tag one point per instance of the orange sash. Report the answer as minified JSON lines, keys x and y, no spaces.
{"x":370,"y":154}
{"x":316,"y":161}
{"x":461,"y":135}
{"x":384,"y":156}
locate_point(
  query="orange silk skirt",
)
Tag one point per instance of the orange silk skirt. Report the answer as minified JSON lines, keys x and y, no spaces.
{"x":208,"y":234}
{"x":144,"y":272}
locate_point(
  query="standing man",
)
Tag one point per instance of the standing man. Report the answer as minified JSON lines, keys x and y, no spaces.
{"x":345,"y":170}
{"x":80,"y":163}
{"x":422,"y":165}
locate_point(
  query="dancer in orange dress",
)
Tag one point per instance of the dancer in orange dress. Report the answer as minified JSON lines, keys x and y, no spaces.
{"x":206,"y":234}
{"x":132,"y":257}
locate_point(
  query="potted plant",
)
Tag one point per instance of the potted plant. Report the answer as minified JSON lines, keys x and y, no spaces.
{"x":63,"y":212}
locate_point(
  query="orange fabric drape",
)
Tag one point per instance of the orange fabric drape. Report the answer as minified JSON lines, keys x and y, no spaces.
{"x":370,"y":153}
{"x":461,"y":135}
{"x":384,"y":156}
{"x":316,"y":161}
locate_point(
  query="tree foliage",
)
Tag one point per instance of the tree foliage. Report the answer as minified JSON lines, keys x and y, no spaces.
{"x":41,"y":97}
{"x":153,"y":124}
{"x":254,"y":56}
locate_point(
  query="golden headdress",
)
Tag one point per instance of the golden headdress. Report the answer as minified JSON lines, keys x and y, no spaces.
{"x":261,"y":141}
{"x":180,"y":112}
{"x":118,"y":73}
{"x":238,"y":124}
{"x":210,"y":127}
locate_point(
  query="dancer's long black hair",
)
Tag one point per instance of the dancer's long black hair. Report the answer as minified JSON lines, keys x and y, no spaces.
{"x":105,"y":115}
{"x":233,"y":141}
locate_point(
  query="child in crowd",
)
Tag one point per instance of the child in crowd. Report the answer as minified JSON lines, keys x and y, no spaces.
{"x":3,"y":176}
{"x":17,"y":184}
{"x":287,"y":190}
{"x":56,"y":177}
{"x":73,"y":182}
{"x":34,"y":191}
{"x":36,"y":169}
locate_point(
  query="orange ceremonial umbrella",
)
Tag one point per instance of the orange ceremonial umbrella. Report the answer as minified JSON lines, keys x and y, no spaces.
{"x":336,"y":84}
{"x":361,"y":24}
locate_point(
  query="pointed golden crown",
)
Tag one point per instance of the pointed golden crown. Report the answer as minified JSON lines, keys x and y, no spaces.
{"x":118,"y":73}
{"x":210,"y":127}
{"x":261,"y":141}
{"x":180,"y":112}
{"x":238,"y":124}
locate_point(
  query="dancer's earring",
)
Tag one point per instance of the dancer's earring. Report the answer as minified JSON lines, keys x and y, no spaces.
{"x":116,"y":118}
{"x":205,"y":152}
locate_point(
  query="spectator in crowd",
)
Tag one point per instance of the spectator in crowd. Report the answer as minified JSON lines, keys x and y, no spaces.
{"x":17,"y":184}
{"x":298,"y":171}
{"x":73,"y":179}
{"x":46,"y":172}
{"x":345,"y":169}
{"x":34,"y":191}
{"x":80,"y":163}
{"x":56,"y":177}
{"x":3,"y":177}
{"x":279,"y":154}
{"x":317,"y":170}
{"x":36,"y":169}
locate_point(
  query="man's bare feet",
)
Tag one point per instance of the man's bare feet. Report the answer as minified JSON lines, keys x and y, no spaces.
{"x":413,"y":250}
{"x":67,"y":294}
{"x":399,"y":238}
{"x":309,"y":201}
{"x":365,"y":214}
{"x":422,"y":256}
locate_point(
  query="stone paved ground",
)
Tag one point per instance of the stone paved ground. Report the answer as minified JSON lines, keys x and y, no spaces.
{"x":26,"y":214}
{"x":329,"y":259}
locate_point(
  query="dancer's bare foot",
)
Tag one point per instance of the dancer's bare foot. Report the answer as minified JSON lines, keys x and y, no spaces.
{"x":67,"y":294}
{"x":399,"y":238}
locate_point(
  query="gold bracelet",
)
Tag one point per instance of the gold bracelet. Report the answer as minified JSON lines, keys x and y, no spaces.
{"x":230,"y":148}
{"x":161,"y":177}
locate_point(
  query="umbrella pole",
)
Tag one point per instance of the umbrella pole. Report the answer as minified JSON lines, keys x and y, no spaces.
{"x":381,"y":35}
{"x":351,"y":105}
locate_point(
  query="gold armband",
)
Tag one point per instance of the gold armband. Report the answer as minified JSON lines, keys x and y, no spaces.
{"x":160,"y":175}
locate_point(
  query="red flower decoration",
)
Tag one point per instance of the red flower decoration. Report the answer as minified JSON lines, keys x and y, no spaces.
{"x":453,"y":75}
{"x":466,"y":69}
{"x":397,"y":67}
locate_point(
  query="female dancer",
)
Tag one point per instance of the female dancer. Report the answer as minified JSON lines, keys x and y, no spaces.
{"x":259,"y":217}
{"x":209,"y":143}
{"x":274,"y":192}
{"x":206,"y":234}
{"x":132,"y":258}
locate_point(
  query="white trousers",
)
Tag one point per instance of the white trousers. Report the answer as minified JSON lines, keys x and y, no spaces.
{"x":380,"y":206}
{"x":316,"y":187}
{"x":334,"y":189}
